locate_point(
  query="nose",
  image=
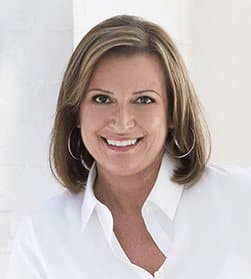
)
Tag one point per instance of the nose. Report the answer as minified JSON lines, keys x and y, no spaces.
{"x":122,"y":119}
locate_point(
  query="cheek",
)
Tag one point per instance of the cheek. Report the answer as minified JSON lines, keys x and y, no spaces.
{"x":92,"y":118}
{"x":152,"y":119}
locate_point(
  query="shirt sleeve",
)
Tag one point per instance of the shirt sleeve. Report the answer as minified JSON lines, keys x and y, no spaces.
{"x":24,"y":262}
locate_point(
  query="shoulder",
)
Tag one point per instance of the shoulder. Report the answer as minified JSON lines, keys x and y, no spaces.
{"x":225,"y":183}
{"x":58,"y":203}
{"x":228,"y":174}
{"x":59,"y":211}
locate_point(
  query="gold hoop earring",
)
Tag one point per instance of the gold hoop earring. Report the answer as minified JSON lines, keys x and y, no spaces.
{"x":78,"y":147}
{"x":177,"y":144}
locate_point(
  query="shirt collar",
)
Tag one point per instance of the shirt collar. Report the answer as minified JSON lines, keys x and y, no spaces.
{"x":89,"y":199}
{"x":165,"y":193}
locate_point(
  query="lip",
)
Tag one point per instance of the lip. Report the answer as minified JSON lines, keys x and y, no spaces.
{"x":118,"y":138}
{"x":121,"y":148}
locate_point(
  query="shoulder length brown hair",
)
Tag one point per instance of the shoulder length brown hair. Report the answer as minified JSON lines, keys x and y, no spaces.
{"x":126,"y":34}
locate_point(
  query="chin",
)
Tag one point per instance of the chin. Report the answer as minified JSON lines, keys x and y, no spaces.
{"x":123,"y":169}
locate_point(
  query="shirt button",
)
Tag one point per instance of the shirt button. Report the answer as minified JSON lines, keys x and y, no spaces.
{"x":148,"y":208}
{"x":157,"y":274}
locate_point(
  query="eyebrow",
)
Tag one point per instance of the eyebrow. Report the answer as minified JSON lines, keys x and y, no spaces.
{"x":134,"y":93}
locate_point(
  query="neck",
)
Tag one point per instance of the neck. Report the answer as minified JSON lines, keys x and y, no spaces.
{"x":125,"y":195}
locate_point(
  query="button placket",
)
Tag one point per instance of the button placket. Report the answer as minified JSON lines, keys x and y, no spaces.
{"x":157,"y":274}
{"x":148,"y":208}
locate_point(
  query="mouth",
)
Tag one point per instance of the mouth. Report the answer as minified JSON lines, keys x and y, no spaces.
{"x":120,"y":145}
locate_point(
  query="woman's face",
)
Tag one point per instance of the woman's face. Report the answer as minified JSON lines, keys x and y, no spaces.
{"x":123,"y":116}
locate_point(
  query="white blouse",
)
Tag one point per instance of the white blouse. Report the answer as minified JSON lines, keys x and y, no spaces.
{"x":204,"y":232}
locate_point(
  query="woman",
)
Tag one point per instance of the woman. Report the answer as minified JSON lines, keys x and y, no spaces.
{"x":130,"y":146}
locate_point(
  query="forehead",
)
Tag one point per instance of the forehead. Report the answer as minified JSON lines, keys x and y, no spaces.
{"x":134,"y":70}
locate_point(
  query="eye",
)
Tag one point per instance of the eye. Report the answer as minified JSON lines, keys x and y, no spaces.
{"x":101,"y":99}
{"x":145,"y":100}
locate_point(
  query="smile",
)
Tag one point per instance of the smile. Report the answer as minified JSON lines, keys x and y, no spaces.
{"x":121,"y":144}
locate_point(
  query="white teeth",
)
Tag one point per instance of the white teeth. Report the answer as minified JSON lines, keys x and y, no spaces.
{"x":121,"y":143}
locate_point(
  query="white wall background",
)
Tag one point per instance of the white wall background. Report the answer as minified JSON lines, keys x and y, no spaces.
{"x":36,"y":42}
{"x":37,"y":39}
{"x":221,"y":59}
